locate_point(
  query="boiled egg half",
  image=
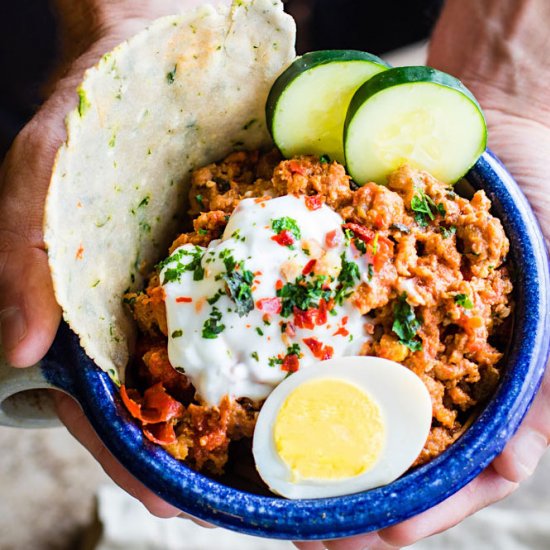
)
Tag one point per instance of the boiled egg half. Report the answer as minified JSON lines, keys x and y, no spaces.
{"x":340,"y":427}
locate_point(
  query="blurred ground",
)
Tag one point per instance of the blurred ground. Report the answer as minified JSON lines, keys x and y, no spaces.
{"x":48,"y":488}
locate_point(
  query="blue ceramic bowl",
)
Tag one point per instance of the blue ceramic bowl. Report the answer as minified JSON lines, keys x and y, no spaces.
{"x":225,"y":506}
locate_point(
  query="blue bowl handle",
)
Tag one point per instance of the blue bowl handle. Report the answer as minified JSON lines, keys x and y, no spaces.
{"x":24,"y":399}
{"x":25,"y":394}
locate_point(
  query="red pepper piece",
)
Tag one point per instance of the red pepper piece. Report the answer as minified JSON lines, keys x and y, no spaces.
{"x":184,"y":300}
{"x":284,"y":238}
{"x":362,"y":233}
{"x":161,"y":434}
{"x":155,"y":406}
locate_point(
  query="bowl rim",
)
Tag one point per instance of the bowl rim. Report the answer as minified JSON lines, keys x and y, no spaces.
{"x":349,"y":515}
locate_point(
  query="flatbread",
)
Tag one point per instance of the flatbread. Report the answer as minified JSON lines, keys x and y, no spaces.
{"x":181,"y":94}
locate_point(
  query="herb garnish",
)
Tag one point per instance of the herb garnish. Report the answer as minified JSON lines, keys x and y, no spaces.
{"x":405,"y":324}
{"x":286,"y":224}
{"x":302,"y":294}
{"x":174,"y":273}
{"x":464,"y":300}
{"x":212,"y":326}
{"x":347,"y":278}
{"x":425,"y":208}
{"x":177,"y":334}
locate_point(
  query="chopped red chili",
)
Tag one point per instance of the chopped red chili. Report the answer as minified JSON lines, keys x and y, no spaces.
{"x":320,"y":351}
{"x":284,"y":238}
{"x":184,"y":300}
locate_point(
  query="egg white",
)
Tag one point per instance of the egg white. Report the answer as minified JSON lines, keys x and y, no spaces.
{"x":406,"y":411}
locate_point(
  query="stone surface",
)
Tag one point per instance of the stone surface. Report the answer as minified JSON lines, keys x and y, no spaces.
{"x":48,"y":487}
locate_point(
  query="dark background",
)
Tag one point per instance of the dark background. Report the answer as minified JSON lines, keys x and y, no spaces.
{"x":29,"y":46}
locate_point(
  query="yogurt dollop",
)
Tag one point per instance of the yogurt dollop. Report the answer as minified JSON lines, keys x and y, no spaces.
{"x":269,"y":298}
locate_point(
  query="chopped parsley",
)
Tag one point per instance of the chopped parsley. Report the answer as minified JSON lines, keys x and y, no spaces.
{"x":405,"y":324}
{"x":274,"y":361}
{"x":212,"y":327}
{"x":171,"y":76}
{"x":425,"y":208}
{"x":324,"y":159}
{"x":255,"y":355}
{"x":213,"y":299}
{"x":464,"y":300}
{"x":286,"y":224}
{"x":347,"y":278}
{"x":302,"y":294}
{"x":174,"y":273}
{"x":177,"y":334}
{"x":199,"y":199}
{"x":203,"y":231}
{"x":259,"y":331}
{"x":294,"y":349}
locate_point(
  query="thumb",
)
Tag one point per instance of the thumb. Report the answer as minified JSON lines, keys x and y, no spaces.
{"x":29,"y":314}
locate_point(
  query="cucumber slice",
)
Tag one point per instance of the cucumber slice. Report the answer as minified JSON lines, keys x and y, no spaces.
{"x":416,"y":115}
{"x":307,"y":105}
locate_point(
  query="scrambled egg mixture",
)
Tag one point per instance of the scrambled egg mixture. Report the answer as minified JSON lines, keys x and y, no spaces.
{"x":289,"y":263}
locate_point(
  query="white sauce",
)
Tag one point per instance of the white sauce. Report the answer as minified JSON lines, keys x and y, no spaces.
{"x":243,"y":356}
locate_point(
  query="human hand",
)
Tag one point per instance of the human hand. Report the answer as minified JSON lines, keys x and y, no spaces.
{"x":29,"y":314}
{"x":500,"y":51}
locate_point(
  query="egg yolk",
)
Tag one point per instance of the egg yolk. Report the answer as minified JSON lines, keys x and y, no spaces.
{"x":328,"y":430}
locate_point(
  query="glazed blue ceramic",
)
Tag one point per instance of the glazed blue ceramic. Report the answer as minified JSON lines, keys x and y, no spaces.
{"x":67,"y":367}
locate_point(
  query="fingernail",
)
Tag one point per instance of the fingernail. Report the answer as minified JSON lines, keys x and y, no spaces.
{"x":529,"y":450}
{"x":13,"y":327}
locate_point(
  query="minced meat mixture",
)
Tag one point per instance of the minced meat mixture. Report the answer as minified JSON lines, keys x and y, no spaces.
{"x":436,"y":302}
